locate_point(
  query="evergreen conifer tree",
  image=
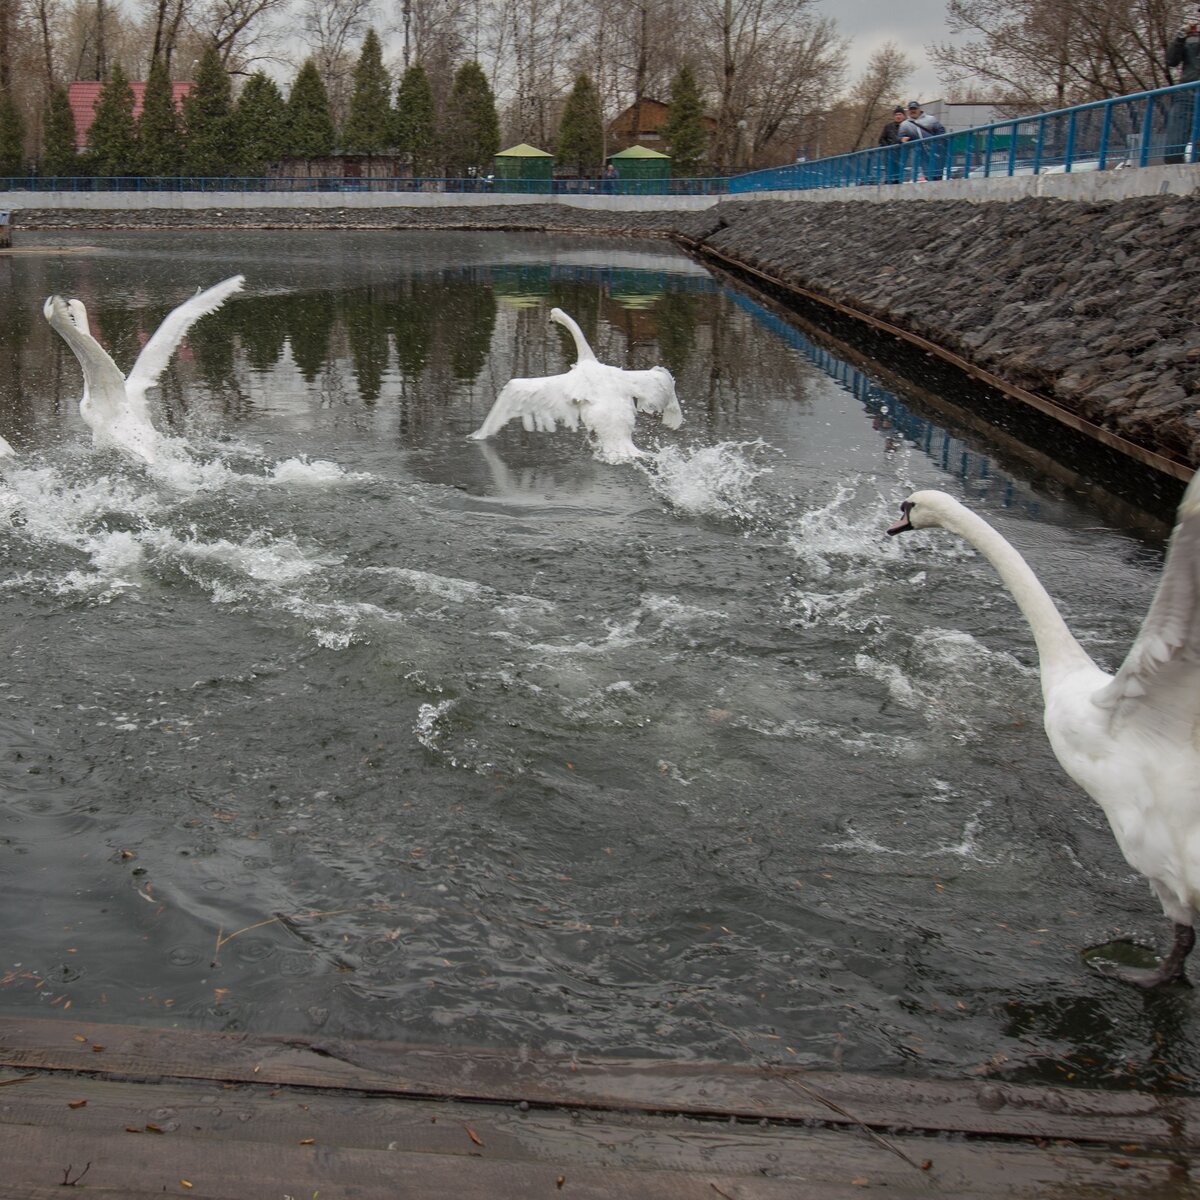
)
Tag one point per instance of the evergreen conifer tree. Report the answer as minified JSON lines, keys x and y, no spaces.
{"x":12,"y":136}
{"x":472,"y":131}
{"x":259,"y":124}
{"x":416,"y":122}
{"x":369,"y":125}
{"x":581,"y":133}
{"x":58,"y":135}
{"x":683,"y":130}
{"x":112,"y":139}
{"x":308,"y":124}
{"x":160,"y":144}
{"x":209,"y":148}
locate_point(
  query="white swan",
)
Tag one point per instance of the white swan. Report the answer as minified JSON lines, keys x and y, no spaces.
{"x":1131,"y":741}
{"x":605,"y":399}
{"x":113,"y":405}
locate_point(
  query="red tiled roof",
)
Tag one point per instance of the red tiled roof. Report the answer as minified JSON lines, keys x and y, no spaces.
{"x":84,"y":93}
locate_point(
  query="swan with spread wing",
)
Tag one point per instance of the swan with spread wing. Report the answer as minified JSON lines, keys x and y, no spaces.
{"x":1130,"y":740}
{"x":604,"y":400}
{"x":114,"y":405}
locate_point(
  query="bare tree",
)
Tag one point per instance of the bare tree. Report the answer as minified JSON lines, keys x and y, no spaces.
{"x":241,"y":30}
{"x":769,"y":64}
{"x":436,"y":34}
{"x":333,"y":28}
{"x":166,"y":18}
{"x":532,"y":62}
{"x":1052,"y":53}
{"x":874,"y":94}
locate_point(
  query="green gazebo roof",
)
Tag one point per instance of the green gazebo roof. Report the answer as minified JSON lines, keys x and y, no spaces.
{"x":639,"y":152}
{"x":524,"y":150}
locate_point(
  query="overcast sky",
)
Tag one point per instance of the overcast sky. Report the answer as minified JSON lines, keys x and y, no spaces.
{"x":912,"y":25}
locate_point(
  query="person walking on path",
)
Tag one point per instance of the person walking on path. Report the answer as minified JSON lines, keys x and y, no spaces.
{"x":1184,"y":52}
{"x":916,"y":127}
{"x":889,"y":135}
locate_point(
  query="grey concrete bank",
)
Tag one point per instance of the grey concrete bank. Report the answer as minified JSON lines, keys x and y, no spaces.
{"x":1090,"y":302}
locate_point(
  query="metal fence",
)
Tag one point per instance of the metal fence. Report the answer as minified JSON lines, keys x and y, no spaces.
{"x":337,"y":183}
{"x":1138,"y":130}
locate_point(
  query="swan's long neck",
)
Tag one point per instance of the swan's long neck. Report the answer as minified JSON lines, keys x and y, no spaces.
{"x":583,"y":352}
{"x":1058,"y":651}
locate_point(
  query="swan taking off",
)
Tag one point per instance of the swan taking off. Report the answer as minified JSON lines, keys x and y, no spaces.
{"x":606,"y":400}
{"x":1130,"y":740}
{"x":114,"y":405}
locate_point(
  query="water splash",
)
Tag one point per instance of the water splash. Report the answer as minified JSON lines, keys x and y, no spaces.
{"x":717,"y":481}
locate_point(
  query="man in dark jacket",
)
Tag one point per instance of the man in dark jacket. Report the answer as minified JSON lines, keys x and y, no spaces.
{"x":889,"y":135}
{"x":1184,"y":51}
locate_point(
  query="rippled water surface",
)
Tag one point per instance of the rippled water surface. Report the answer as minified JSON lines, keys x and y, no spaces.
{"x":337,"y":721}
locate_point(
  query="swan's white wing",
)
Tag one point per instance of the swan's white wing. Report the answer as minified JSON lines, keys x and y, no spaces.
{"x":156,"y":353}
{"x":1158,"y":685}
{"x":6,"y":450}
{"x":103,"y":381}
{"x":654,"y":392}
{"x":542,"y":404}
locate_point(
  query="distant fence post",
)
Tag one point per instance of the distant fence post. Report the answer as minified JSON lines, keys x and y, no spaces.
{"x":5,"y":229}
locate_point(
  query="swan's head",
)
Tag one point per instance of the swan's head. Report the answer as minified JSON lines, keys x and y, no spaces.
{"x":558,"y":316}
{"x":924,"y":509}
{"x":54,"y":304}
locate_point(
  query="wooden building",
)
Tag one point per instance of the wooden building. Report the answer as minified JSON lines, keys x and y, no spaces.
{"x":641,"y":124}
{"x":84,"y":93}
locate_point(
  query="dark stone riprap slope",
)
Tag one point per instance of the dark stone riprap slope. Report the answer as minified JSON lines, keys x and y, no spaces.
{"x":1096,"y":306}
{"x":1093,"y":305}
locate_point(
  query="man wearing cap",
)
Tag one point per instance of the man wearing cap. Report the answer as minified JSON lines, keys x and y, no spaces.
{"x":917,"y":126}
{"x":890,"y":136}
{"x":1183,"y":51}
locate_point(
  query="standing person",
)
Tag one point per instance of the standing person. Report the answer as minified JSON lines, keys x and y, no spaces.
{"x":611,"y":175}
{"x":1184,"y":51}
{"x":889,"y":135}
{"x":919,"y":125}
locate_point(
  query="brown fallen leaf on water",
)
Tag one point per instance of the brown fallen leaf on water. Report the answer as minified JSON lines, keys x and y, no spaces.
{"x":307,"y":1141}
{"x":184,"y":1183}
{"x":560,"y":1181}
{"x":96,"y":1048}
{"x":861,"y":1181}
{"x":76,"y":1103}
{"x":80,"y":1038}
{"x":132,"y":1129}
{"x":155,"y":1129}
{"x":473,"y":1135}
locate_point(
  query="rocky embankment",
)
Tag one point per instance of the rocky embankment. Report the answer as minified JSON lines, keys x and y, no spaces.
{"x":1093,"y":305}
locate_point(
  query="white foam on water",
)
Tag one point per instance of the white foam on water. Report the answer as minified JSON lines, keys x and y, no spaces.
{"x":428,"y":718}
{"x":337,"y":624}
{"x":450,"y":587}
{"x":317,"y":472}
{"x":261,"y":557}
{"x":715,"y":480}
{"x":844,"y":535}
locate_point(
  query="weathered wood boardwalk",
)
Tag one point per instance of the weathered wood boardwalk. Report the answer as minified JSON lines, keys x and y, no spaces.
{"x":135,"y":1112}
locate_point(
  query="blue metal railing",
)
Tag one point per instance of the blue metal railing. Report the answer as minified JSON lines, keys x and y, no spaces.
{"x":337,"y":183}
{"x":1138,"y":130}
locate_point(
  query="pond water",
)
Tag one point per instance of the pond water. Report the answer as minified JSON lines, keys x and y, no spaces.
{"x":337,"y":722}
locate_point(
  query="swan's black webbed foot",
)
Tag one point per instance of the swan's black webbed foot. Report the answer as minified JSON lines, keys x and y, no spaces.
{"x":1169,"y":969}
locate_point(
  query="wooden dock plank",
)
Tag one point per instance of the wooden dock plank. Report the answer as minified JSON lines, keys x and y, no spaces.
{"x":250,"y":1140}
{"x":717,"y":1089}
